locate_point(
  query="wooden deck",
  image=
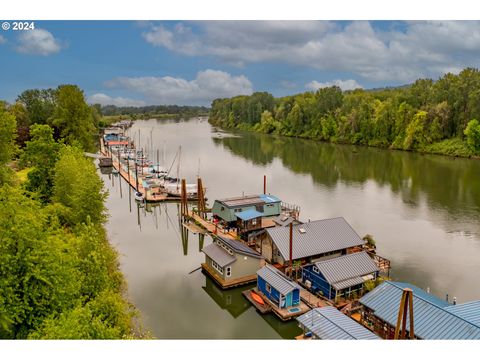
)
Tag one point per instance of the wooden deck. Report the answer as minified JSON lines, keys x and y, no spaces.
{"x":311,"y":300}
{"x":211,"y":228}
{"x":227,"y":284}
{"x":194,"y":228}
{"x":284,"y":314}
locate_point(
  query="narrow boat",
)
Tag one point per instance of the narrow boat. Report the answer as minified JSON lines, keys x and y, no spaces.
{"x":139,"y":196}
{"x":257,"y":298}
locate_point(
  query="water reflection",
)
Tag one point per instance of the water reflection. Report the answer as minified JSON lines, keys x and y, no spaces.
{"x":446,"y":184}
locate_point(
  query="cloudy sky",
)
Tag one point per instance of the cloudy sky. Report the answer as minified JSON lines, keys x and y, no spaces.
{"x":185,"y":62}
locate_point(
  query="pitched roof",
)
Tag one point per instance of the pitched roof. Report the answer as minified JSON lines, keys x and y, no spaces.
{"x":284,"y":220}
{"x":277,"y":279}
{"x":319,"y":237}
{"x":239,"y":247}
{"x":219,"y":255}
{"x":468,"y":311}
{"x":248,"y":214}
{"x":345,"y":271}
{"x":328,"y":323}
{"x":431,"y":317}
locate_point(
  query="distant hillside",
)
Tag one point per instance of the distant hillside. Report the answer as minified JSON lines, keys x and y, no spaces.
{"x":153,"y":110}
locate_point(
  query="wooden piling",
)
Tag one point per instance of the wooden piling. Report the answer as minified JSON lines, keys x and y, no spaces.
{"x":184,"y":199}
{"x":406,"y":305}
{"x":201,"y":200}
{"x":264,"y":184}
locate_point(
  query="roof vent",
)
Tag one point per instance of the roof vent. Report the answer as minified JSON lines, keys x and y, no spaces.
{"x":302,"y":230}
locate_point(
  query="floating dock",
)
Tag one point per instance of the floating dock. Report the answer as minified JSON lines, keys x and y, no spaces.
{"x":227,"y":284}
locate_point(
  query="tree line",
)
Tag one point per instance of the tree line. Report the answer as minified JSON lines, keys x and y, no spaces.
{"x":428,"y":116}
{"x":59,"y":276}
{"x":139,"y":112}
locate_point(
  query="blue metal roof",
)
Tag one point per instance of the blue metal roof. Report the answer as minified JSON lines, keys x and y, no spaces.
{"x":269,"y":198}
{"x":468,"y":311}
{"x":248,"y":214}
{"x":432,"y":319}
{"x":328,"y":323}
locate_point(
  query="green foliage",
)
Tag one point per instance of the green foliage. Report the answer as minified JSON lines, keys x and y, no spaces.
{"x":39,"y":105}
{"x":452,"y":147}
{"x":78,"y":188}
{"x":7,"y":143}
{"x":73,"y":117}
{"x":41,"y":152}
{"x":414,"y":117}
{"x":472,"y":132}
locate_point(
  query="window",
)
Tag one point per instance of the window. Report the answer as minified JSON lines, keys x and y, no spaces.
{"x":315,"y":270}
{"x":229,"y":271}
{"x":268,"y":288}
{"x":222,"y":208}
{"x":254,"y":221}
{"x":238,"y":210}
{"x":217,"y":267}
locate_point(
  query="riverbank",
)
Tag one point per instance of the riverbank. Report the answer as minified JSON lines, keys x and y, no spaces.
{"x":448,"y":147}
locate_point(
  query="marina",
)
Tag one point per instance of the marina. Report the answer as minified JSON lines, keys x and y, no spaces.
{"x":200,"y":220}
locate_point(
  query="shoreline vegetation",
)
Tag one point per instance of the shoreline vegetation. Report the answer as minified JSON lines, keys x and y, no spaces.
{"x":59,"y":275}
{"x":434,"y":117}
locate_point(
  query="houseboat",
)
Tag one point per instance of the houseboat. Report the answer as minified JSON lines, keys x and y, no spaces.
{"x":341,"y":277}
{"x":327,"y":323}
{"x":231,"y":263}
{"x":434,"y":318}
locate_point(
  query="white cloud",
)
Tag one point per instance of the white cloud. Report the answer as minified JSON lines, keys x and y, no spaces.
{"x":102,"y":99}
{"x":342,"y":84}
{"x":38,"y":42}
{"x":427,"y":48}
{"x":208,"y":85}
{"x":2,"y":40}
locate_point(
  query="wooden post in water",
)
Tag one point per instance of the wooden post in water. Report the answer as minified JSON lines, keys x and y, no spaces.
{"x":184,"y":209}
{"x":264,"y":184}
{"x":201,"y":199}
{"x":119,"y":172}
{"x":136,"y":174}
{"x":406,"y":305}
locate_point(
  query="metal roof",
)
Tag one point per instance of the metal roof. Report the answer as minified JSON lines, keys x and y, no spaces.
{"x":269,"y":199}
{"x":239,"y":247}
{"x":320,"y":236}
{"x":242,"y":201}
{"x":345,"y":271}
{"x":284,"y":220}
{"x":432,"y":321}
{"x":249,"y":214}
{"x":468,"y":311}
{"x":277,"y":279}
{"x":219,"y":255}
{"x":328,"y":323}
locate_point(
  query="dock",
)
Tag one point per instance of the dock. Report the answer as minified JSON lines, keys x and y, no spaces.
{"x":212,"y":228}
{"x":227,"y":284}
{"x":283,"y":314}
{"x":311,"y":300}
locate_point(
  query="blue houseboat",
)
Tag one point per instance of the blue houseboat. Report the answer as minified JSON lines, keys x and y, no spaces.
{"x":280,"y":290}
{"x":340,"y":277}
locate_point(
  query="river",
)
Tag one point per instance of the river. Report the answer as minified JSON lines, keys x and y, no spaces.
{"x":422,"y":210}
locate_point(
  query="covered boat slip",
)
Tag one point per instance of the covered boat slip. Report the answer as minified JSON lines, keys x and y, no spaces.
{"x":327,"y":323}
{"x":434,"y":318}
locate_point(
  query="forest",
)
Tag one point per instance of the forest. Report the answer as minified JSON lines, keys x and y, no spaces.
{"x":152,"y":111}
{"x":59,"y":276}
{"x":440,"y":117}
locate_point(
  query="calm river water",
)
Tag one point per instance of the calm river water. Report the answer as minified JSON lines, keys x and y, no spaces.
{"x":422,"y":210}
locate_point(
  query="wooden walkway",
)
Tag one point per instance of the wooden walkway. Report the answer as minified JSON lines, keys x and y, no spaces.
{"x":211,"y":228}
{"x":311,"y":300}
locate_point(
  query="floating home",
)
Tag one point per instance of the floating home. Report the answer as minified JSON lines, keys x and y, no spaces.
{"x":229,"y":211}
{"x":231,"y":263}
{"x":340,"y":277}
{"x":282,"y":293}
{"x":311,"y":241}
{"x":434,"y":318}
{"x":327,"y":323}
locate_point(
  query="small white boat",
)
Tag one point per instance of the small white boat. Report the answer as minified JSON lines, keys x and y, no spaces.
{"x":139,"y":196}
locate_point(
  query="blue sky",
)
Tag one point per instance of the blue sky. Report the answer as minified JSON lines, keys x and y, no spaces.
{"x":185,"y":62}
